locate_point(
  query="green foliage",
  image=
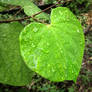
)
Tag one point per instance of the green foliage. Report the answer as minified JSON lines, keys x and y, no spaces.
{"x":39,"y":84}
{"x":54,"y":51}
{"x":2,"y":8}
{"x":29,"y":8}
{"x":13,"y":70}
{"x":22,"y":90}
{"x":78,"y":6}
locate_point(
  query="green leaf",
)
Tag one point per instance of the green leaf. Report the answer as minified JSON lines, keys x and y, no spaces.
{"x":13,"y":70}
{"x":2,"y":8}
{"x":29,"y":8}
{"x":54,"y":51}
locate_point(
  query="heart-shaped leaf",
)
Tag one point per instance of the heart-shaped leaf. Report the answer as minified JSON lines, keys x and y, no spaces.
{"x":13,"y":70}
{"x":54,"y":51}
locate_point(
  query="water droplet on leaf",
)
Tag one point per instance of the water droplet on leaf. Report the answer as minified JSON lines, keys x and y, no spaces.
{"x":48,"y":44}
{"x":78,"y":30}
{"x":35,"y":29}
{"x":32,"y":45}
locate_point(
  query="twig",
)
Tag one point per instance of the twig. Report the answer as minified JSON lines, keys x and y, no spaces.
{"x":44,"y":10}
{"x":17,"y":12}
{"x":11,"y":9}
{"x":86,"y":31}
{"x":7,"y":21}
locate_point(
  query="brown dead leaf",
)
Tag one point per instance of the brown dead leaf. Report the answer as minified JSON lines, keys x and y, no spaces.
{"x":89,"y":17}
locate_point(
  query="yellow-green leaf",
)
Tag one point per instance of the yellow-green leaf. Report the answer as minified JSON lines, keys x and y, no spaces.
{"x":54,"y":51}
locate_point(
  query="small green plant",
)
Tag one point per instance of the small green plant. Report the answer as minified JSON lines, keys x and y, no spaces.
{"x":54,"y":50}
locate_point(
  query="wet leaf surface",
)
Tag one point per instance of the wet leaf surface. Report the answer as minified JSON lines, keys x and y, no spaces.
{"x":54,"y":51}
{"x":13,"y":70}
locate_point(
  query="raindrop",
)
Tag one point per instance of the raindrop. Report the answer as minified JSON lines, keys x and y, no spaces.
{"x":81,"y":43}
{"x":35,"y":29}
{"x":48,"y":65}
{"x":47,"y":51}
{"x":55,"y":16}
{"x":40,"y":48}
{"x":66,"y":75}
{"x":65,"y":67}
{"x":44,"y":51}
{"x":49,"y":71}
{"x":72,"y":72}
{"x":78,"y":30}
{"x":5,"y":80}
{"x":60,"y":12}
{"x":25,"y":40}
{"x":4,"y":35}
{"x":56,"y":56}
{"x":48,"y":44}
{"x":34,"y":61}
{"x":42,"y":36}
{"x":61,"y":51}
{"x":53,"y":70}
{"x":62,"y":78}
{"x":33,"y":45}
